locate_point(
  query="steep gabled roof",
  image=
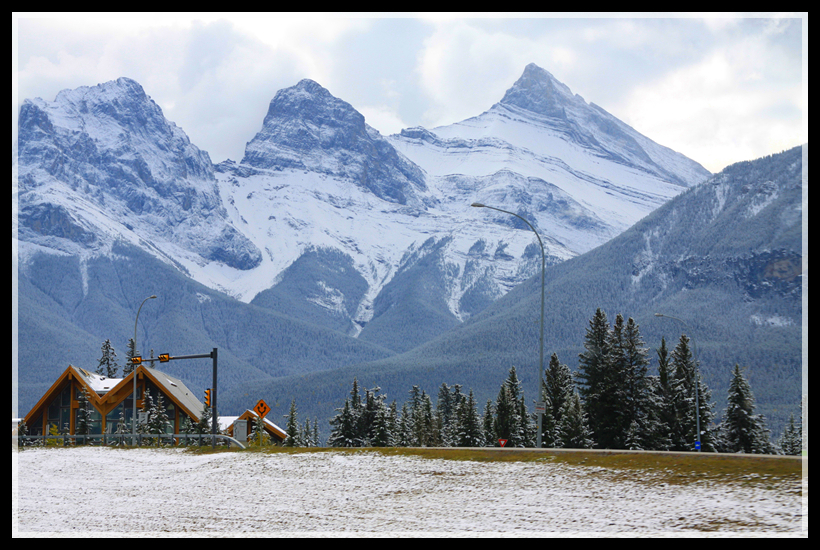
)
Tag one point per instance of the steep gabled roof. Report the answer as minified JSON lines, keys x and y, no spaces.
{"x":103,"y":389}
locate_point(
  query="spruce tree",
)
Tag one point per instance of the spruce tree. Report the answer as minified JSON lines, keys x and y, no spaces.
{"x":508,"y":423}
{"x":292,"y":438}
{"x":488,"y":420}
{"x":558,"y":386}
{"x":642,"y":411}
{"x":470,"y":433}
{"x":107,"y":364}
{"x":382,"y":433}
{"x":573,"y":430}
{"x":664,"y":399}
{"x":130,"y":353}
{"x":259,"y":436}
{"x":743,"y":431}
{"x":158,"y":421}
{"x":791,"y":442}
{"x":593,"y":377}
{"x":343,"y":431}
{"x":83,"y":423}
{"x":686,"y":381}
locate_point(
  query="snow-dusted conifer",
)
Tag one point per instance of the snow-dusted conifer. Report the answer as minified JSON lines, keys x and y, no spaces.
{"x":292,"y":428}
{"x":107,"y":365}
{"x":573,"y":430}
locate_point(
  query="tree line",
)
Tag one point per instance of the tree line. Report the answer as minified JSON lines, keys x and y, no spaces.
{"x":610,"y":402}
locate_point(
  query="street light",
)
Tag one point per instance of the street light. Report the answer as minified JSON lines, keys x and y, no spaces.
{"x":697,"y":376}
{"x":541,"y":351}
{"x":134,"y":372}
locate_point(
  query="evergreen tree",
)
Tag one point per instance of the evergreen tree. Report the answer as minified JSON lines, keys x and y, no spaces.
{"x":343,"y":431}
{"x":642,"y":410}
{"x":204,"y":424}
{"x":107,"y":365}
{"x":122,"y":429}
{"x":593,"y":377}
{"x":686,"y":381}
{"x":259,"y":436}
{"x":743,"y":431}
{"x":405,"y":430}
{"x":130,"y":352}
{"x":306,"y":435}
{"x":664,"y":399}
{"x":383,"y":435}
{"x":791,"y":442}
{"x":469,"y":433}
{"x":186,"y":427}
{"x":292,"y":438}
{"x":157,"y":422}
{"x":83,"y":423}
{"x":490,"y":437}
{"x":573,"y":430}
{"x":508,"y":423}
{"x":558,"y":386}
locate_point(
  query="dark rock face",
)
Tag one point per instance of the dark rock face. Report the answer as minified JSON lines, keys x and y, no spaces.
{"x":308,"y":128}
{"x":113,"y":148}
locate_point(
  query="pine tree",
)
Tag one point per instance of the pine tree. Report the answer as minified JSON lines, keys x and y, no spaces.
{"x":642,"y":410}
{"x":157,"y":422}
{"x":405,"y":430}
{"x":292,"y":429}
{"x":508,"y":422}
{"x":383,"y":435}
{"x":130,"y":353}
{"x":259,"y":436}
{"x":469,"y":433}
{"x":664,"y":399}
{"x":83,"y":423}
{"x":791,"y":442}
{"x":743,"y":431}
{"x":107,"y":365}
{"x":593,"y":377}
{"x":686,"y":381}
{"x":573,"y":430}
{"x":558,"y":386}
{"x":488,"y":420}
{"x":344,"y":428}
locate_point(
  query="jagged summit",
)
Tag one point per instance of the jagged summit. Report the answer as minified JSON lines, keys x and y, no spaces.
{"x":308,"y":128}
{"x":540,"y":92}
{"x":102,"y":163}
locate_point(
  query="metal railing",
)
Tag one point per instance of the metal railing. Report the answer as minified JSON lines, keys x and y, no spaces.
{"x":125,"y":440}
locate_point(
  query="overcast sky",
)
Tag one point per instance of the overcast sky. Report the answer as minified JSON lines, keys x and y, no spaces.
{"x":717,"y":88}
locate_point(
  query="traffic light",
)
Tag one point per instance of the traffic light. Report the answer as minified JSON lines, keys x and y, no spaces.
{"x":208,"y":397}
{"x":136,"y":360}
{"x":164,"y":357}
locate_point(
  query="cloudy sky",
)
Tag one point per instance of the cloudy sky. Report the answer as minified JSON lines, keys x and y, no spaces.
{"x":719,"y":88}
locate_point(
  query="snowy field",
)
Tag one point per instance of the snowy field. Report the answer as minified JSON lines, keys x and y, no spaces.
{"x":88,"y":491}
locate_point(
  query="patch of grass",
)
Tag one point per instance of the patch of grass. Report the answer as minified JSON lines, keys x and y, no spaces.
{"x":672,"y":468}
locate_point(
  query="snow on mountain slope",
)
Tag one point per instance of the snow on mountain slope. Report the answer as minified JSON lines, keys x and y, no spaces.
{"x":100,"y":164}
{"x":541,"y":130}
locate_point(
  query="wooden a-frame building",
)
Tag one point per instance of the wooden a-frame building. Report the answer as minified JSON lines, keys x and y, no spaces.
{"x":111,"y":400}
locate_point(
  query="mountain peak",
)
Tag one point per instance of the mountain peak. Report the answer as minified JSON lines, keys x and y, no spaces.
{"x":540,"y":92}
{"x":308,"y":128}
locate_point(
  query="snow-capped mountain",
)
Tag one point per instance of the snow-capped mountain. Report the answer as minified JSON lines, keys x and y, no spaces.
{"x":328,"y":221}
{"x":101,"y":164}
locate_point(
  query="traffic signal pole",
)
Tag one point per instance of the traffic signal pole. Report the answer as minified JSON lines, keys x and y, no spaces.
{"x":165,"y":357}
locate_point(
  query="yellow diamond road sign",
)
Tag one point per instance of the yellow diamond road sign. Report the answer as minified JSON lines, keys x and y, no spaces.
{"x":261,"y":408}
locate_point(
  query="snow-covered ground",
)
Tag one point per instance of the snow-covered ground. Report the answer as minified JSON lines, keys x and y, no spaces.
{"x":87,"y":491}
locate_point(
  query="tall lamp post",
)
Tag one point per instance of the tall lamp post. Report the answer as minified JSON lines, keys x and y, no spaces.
{"x":541,"y":351}
{"x":134,"y":400}
{"x":696,"y":381}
